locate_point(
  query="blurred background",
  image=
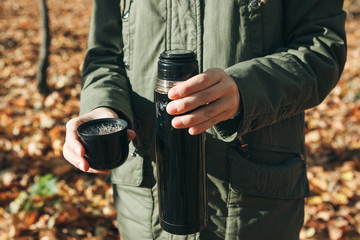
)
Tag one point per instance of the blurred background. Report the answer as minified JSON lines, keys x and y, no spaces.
{"x":44,"y":197}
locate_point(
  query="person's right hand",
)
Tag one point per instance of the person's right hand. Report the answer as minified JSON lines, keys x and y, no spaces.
{"x":73,"y":150}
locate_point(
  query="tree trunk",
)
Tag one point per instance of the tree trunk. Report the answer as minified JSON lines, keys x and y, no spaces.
{"x":43,"y":61}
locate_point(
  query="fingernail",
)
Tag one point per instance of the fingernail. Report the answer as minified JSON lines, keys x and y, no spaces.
{"x":173,"y":93}
{"x":80,"y":165}
{"x":191,"y":131}
{"x":177,"y":123}
{"x":171,"y":109}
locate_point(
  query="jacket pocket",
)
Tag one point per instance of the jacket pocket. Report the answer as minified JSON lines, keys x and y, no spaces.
{"x":286,"y":180}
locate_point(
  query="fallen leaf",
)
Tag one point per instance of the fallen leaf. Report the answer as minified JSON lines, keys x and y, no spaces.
{"x":315,"y":200}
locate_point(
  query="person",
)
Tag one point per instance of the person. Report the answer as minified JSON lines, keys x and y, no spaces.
{"x":261,"y":63}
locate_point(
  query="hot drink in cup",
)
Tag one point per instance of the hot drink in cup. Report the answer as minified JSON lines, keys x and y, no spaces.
{"x":105,"y":142}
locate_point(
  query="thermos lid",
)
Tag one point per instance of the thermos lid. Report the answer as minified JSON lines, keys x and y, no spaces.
{"x":177,"y":65}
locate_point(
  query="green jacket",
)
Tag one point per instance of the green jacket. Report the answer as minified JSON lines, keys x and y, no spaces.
{"x":285,"y":56}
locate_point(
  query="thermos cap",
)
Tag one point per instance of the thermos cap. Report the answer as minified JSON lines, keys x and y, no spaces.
{"x":178,"y":55}
{"x":177,"y":65}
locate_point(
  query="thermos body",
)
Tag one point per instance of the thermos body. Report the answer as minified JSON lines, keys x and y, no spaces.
{"x":180,"y":157}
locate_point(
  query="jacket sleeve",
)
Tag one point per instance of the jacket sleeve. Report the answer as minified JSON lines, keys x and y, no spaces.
{"x":296,"y":77}
{"x":104,"y":81}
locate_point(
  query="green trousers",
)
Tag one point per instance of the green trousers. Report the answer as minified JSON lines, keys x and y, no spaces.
{"x":231,"y":215}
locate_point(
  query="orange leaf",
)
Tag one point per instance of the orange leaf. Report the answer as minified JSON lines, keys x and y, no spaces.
{"x":30,"y":217}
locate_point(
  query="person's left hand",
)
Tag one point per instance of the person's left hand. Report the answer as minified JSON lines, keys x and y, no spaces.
{"x":206,"y":99}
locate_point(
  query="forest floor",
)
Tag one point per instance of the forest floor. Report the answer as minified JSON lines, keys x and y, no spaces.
{"x":44,"y":197}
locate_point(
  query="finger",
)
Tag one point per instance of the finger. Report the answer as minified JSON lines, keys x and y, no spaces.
{"x":131,"y":134}
{"x":74,"y":158}
{"x":91,"y":170}
{"x":71,"y":129}
{"x":202,"y":127}
{"x":194,"y":84}
{"x":194,"y":101}
{"x":198,"y":116}
{"x":219,"y":110}
{"x":78,"y":161}
{"x":72,"y":139}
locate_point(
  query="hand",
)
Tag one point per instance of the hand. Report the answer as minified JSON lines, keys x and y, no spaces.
{"x":213,"y":95}
{"x":73,"y":150}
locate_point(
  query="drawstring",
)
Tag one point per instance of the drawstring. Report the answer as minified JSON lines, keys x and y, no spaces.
{"x":122,"y":8}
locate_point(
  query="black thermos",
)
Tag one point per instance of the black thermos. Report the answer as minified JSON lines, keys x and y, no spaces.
{"x":180,"y":157}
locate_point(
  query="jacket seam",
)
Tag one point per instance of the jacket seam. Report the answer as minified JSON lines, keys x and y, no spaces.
{"x":262,"y":32}
{"x":168,"y":25}
{"x":198,"y":34}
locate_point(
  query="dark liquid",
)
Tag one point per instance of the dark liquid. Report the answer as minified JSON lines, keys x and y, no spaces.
{"x":181,"y":174}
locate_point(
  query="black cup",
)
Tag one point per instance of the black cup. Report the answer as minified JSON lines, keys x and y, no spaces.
{"x":105,"y":141}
